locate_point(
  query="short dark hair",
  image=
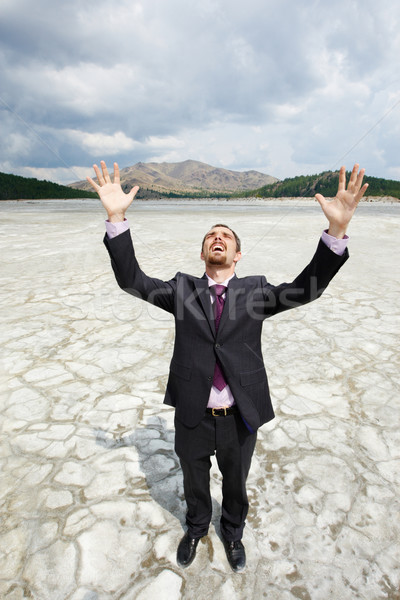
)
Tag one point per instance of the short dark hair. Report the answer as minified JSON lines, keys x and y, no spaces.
{"x":237,"y":239}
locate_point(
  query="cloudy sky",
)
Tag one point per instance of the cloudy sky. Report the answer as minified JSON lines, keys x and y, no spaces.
{"x":286,"y":87}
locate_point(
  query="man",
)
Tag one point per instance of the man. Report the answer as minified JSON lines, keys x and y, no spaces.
{"x":217,"y":381}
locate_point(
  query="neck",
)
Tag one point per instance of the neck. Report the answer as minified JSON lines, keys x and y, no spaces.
{"x":219,"y":274}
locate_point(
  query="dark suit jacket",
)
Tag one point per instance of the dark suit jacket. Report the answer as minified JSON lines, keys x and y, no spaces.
{"x":249,"y":300}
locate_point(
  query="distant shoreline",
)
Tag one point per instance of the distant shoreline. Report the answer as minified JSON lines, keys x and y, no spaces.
{"x":204,"y":201}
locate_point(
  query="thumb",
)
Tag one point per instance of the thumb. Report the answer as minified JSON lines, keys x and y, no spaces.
{"x":133,"y":192}
{"x":321,"y":199}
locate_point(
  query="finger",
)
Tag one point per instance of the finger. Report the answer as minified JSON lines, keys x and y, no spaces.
{"x":106,"y":176}
{"x":93,"y":184}
{"x":116,"y":173}
{"x":98,"y":175}
{"x":342,"y":179}
{"x":353,"y":176}
{"x":361,"y":192}
{"x":321,"y":200}
{"x":360,"y":178}
{"x":133,"y":192}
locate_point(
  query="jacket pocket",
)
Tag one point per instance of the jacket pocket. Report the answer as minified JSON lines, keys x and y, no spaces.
{"x":180,"y":370}
{"x":250,"y":377}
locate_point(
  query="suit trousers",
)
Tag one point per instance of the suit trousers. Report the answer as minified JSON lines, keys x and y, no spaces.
{"x":233,"y":445}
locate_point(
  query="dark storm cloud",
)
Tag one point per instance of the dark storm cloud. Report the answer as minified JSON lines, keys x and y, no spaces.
{"x":172,"y":79}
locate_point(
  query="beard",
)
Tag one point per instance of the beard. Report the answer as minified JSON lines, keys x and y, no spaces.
{"x":217,"y":260}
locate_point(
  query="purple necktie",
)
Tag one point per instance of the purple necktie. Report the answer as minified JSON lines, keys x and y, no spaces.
{"x":217,"y":291}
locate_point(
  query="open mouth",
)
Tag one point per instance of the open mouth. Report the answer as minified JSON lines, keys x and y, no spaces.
{"x":217,"y":248}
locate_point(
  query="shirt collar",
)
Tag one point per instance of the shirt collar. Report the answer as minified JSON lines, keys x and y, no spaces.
{"x":212,"y":282}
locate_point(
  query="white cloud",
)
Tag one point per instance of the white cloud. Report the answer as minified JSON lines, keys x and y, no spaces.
{"x":61,"y":175}
{"x":18,"y":145}
{"x":394,"y":173}
{"x":100,"y":143}
{"x":159,"y":142}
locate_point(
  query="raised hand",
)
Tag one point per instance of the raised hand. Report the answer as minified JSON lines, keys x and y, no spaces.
{"x":114,"y":199}
{"x":340,"y":210}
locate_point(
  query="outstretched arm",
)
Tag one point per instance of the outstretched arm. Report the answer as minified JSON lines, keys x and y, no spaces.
{"x":340,"y":210}
{"x":114,"y":200}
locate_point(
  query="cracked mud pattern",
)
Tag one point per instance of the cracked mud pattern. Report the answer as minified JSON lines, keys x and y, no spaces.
{"x":91,"y":495}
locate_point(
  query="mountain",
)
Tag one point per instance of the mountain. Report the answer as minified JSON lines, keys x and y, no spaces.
{"x":187,"y":176}
{"x":14,"y":187}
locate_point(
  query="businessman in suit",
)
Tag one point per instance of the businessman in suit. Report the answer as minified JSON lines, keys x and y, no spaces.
{"x":217,"y":381}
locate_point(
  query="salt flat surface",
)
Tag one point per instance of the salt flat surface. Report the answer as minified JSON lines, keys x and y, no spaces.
{"x":91,"y":494}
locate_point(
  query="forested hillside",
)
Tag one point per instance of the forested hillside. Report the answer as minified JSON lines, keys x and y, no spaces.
{"x":14,"y":187}
{"x":325,"y":183}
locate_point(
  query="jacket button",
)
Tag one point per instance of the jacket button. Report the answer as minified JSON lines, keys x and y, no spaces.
{"x":209,"y":378}
{"x":217,"y":345}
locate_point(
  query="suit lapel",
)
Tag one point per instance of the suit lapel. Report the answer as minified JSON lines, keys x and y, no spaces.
{"x":205,"y":301}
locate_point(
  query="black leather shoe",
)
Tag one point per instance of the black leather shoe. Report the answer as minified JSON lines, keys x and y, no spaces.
{"x":236,"y":555}
{"x":186,"y":550}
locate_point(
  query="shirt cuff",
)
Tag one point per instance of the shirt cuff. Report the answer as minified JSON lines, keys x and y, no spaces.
{"x":114,"y":229}
{"x":338,"y":246}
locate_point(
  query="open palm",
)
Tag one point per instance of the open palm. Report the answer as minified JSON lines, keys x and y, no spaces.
{"x":340,"y":210}
{"x":113,"y":198}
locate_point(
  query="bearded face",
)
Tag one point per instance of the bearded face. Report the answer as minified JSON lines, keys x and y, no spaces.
{"x":219,"y":248}
{"x":217,"y":253}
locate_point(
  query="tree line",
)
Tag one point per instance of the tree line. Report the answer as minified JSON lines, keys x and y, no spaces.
{"x":325,"y":183}
{"x":15,"y":187}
